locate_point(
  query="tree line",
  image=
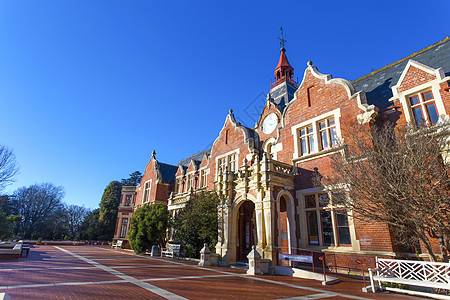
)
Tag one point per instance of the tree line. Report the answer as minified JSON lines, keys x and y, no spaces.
{"x":38,"y":211}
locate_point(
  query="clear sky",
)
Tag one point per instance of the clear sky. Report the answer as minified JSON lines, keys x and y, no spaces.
{"x":89,"y":88}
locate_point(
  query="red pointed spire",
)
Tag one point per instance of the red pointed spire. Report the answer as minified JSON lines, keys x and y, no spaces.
{"x":284,"y":71}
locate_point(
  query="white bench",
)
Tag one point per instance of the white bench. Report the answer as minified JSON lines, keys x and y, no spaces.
{"x":172,"y":250}
{"x":411,"y":272}
{"x":118,"y":244}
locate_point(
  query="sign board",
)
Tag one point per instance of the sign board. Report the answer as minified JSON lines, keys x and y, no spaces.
{"x":299,"y":258}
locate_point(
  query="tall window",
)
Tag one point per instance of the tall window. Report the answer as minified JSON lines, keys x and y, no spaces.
{"x":123,"y":228}
{"x":146,"y":191}
{"x":232,"y":162}
{"x":327,"y":133}
{"x":202,"y":178}
{"x":424,"y":109}
{"x":306,"y":136}
{"x":227,"y":163}
{"x":177,"y":185}
{"x":190,"y":182}
{"x":327,"y":224}
{"x":221,"y":162}
{"x":128,"y":200}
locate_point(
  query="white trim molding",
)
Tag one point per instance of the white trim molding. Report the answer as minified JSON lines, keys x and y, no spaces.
{"x":433,"y":86}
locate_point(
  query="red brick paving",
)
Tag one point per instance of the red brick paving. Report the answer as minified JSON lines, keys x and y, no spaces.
{"x":159,"y":275}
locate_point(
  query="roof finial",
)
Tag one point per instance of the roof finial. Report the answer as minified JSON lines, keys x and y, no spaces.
{"x":154,"y":154}
{"x":282,"y":40}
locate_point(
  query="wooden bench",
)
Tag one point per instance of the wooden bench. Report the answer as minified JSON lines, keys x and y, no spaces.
{"x":411,"y":272}
{"x":172,"y":250}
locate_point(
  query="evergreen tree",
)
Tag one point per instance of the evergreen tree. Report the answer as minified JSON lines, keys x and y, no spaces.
{"x":148,"y":227}
{"x":108,"y":210}
{"x":197,"y":223}
{"x":133,"y":180}
{"x":90,"y":229}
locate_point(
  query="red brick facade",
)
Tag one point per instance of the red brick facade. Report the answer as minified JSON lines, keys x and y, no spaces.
{"x":276,"y":166}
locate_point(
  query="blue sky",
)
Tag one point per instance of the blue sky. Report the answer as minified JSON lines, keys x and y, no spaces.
{"x":89,"y":88}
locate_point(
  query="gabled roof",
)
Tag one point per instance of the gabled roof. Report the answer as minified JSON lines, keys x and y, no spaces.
{"x":167,"y":172}
{"x":377,"y":84}
{"x":197,"y":157}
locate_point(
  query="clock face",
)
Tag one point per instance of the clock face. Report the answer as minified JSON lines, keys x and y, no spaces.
{"x":270,"y":123}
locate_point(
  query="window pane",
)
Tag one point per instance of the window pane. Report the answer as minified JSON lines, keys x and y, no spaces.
{"x":418,"y":116}
{"x":322,"y":125}
{"x":432,"y":113}
{"x":302,"y":132}
{"x":344,"y":236}
{"x":324,"y":200}
{"x":311,"y":143}
{"x":304,"y":146}
{"x":342,"y":218}
{"x":324,"y":138}
{"x":327,"y":227}
{"x":343,"y":229}
{"x":333,"y":137}
{"x":427,"y":96}
{"x":310,"y":201}
{"x":331,"y":122}
{"x":313,"y":230}
{"x":310,"y":129}
{"x":414,"y":100}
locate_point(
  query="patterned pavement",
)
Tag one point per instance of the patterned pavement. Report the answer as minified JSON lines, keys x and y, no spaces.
{"x":92,"y":272}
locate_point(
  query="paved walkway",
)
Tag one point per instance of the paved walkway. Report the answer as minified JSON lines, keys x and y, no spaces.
{"x":83,"y":272}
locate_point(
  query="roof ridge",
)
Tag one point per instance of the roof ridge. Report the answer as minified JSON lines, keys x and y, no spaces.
{"x":447,"y":38}
{"x":166,"y":164}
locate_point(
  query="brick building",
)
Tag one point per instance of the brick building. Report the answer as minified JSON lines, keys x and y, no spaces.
{"x":267,"y":174}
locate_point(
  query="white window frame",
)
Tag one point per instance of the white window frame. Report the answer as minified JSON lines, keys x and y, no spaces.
{"x":433,"y":86}
{"x":226,"y":157}
{"x":336,"y":114}
{"x":144,"y":194}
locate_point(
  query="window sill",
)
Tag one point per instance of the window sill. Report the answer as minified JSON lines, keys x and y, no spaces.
{"x":317,"y":154}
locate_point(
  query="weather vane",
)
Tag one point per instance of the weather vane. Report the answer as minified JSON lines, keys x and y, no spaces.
{"x":282,"y":39}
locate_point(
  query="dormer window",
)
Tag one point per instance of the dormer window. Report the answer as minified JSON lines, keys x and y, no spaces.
{"x":424,"y":109}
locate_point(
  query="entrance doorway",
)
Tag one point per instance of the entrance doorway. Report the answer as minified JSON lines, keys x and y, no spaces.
{"x":246,"y":230}
{"x":284,"y":231}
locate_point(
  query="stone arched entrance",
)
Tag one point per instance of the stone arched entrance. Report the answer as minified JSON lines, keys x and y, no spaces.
{"x":246,"y":230}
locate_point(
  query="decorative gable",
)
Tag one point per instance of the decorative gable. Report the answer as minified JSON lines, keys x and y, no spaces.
{"x":416,"y":74}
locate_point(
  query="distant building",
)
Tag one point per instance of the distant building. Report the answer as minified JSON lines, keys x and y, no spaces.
{"x":268,"y":174}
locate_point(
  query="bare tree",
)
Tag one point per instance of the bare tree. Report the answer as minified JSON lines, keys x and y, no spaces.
{"x":37,"y":204}
{"x":75,"y":216}
{"x":8,"y":166}
{"x":398,"y":176}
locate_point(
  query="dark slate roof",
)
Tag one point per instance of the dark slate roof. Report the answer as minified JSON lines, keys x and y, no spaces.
{"x":197,"y":157}
{"x":377,"y":85}
{"x":167,"y":172}
{"x":282,"y":94}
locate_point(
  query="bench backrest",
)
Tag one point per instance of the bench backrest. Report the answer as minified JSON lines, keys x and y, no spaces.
{"x":423,"y":273}
{"x":175,"y":248}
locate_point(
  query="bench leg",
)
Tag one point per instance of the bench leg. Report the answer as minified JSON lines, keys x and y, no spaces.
{"x":372,"y":283}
